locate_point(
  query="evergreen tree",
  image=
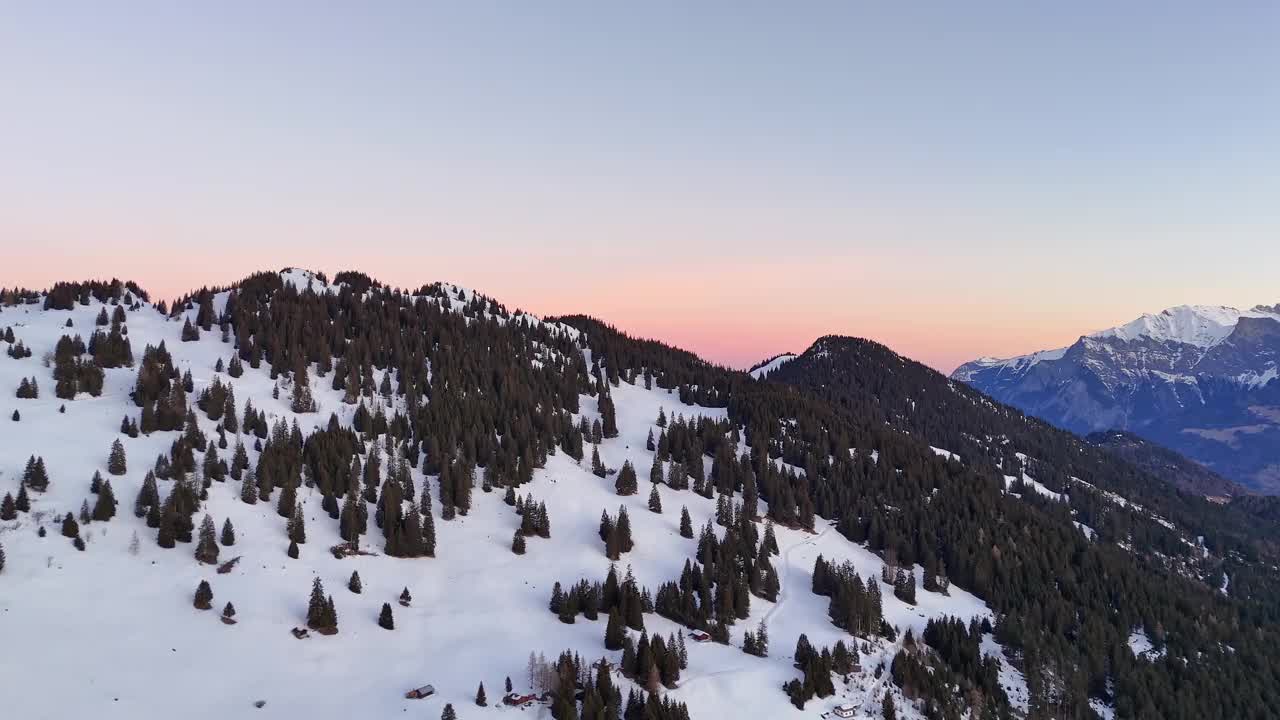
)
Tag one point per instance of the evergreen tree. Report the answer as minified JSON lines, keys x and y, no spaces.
{"x":228,"y":533}
{"x":517,"y":543}
{"x":448,"y":713}
{"x":105,"y":507}
{"x":228,"y":611}
{"x":166,"y":536}
{"x":385,"y":621}
{"x":597,"y":467}
{"x":770,"y":539}
{"x":70,"y":528}
{"x":204,"y":596}
{"x":354,"y":583}
{"x":627,"y":484}
{"x":480,"y":698}
{"x":293,"y":550}
{"x":405,"y":597}
{"x":428,"y":527}
{"x":249,"y":488}
{"x":22,"y":502}
{"x":297,"y":527}
{"x":8,"y":509}
{"x":686,"y":523}
{"x":614,"y":631}
{"x":655,"y":501}
{"x":331,"y":614}
{"x":623,"y":528}
{"x":207,"y":547}
{"x":887,"y":708}
{"x":116,"y":464}
{"x":35,"y":476}
{"x":317,"y":607}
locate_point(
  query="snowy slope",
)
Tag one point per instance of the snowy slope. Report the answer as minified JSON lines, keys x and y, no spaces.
{"x":107,"y":634}
{"x":763,"y":369}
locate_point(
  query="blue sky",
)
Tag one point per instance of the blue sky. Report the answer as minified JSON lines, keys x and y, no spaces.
{"x":953,"y":179}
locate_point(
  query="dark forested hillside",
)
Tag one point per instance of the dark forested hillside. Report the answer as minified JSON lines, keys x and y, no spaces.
{"x":861,"y":421}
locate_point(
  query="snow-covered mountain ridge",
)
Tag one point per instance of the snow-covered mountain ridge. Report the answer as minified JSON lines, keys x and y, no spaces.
{"x":875,"y":538}
{"x":1199,"y":379}
{"x":477,"y":611}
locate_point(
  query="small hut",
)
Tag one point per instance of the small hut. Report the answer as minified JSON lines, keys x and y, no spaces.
{"x":420,"y":692}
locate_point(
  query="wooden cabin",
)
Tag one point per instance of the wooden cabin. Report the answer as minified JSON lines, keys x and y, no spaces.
{"x":420,"y":692}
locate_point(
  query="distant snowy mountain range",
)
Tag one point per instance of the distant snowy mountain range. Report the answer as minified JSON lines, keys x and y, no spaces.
{"x":1200,"y":379}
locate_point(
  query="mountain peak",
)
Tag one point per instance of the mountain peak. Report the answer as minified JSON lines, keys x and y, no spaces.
{"x":1199,"y":325}
{"x":1197,"y":378}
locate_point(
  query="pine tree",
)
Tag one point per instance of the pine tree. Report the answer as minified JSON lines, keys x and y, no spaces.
{"x":385,"y":621}
{"x":428,"y":526}
{"x":1,"y":557}
{"x":480,"y":698}
{"x":204,"y":596}
{"x":70,"y":528}
{"x":297,"y":527}
{"x":105,"y":507}
{"x":249,"y":488}
{"x":614,"y":631}
{"x":331,"y":615}
{"x":507,"y":685}
{"x":627,"y":484}
{"x":288,"y":500}
{"x":887,"y":708}
{"x":228,"y":533}
{"x":8,"y":510}
{"x":22,"y":502}
{"x":448,"y":713}
{"x":293,"y":550}
{"x":405,"y":597}
{"x":317,"y":607}
{"x":354,"y":583}
{"x":655,"y":501}
{"x":597,"y":467}
{"x":207,"y":547}
{"x":35,"y":476}
{"x":770,"y":539}
{"x":116,"y":464}
{"x":623,"y":527}
{"x":166,"y":536}
{"x":228,"y":611}
{"x":686,"y":523}
{"x":517,"y":543}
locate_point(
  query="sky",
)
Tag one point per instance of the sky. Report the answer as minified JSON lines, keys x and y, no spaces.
{"x":951,"y":179}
